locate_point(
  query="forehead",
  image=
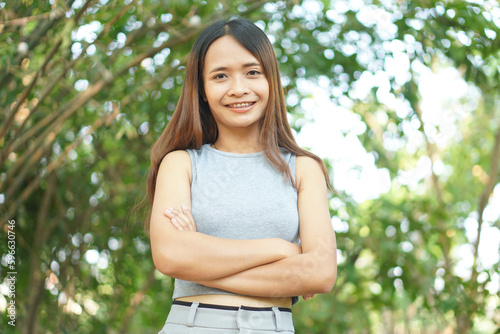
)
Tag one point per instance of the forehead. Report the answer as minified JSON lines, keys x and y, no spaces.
{"x":227,"y":52}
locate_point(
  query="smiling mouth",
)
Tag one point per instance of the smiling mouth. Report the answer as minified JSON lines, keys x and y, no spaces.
{"x":240,"y":105}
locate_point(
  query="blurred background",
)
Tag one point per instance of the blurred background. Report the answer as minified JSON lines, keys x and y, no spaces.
{"x":400,"y":98}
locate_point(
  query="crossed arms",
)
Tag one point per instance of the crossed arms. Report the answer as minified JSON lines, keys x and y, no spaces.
{"x":259,"y":267}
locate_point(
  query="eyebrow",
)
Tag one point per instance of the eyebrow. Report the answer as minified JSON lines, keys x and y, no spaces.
{"x":223,"y":68}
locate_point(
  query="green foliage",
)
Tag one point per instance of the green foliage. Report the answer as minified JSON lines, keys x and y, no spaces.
{"x":86,"y":87}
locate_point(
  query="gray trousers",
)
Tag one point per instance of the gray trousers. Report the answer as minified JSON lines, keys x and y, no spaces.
{"x":196,"y":318}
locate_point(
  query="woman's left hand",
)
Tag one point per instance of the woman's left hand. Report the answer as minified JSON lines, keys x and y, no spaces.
{"x":182,"y":220}
{"x":308,"y":296}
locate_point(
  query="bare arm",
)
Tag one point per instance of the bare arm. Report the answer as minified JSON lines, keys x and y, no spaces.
{"x":195,"y":256}
{"x":315,"y":270}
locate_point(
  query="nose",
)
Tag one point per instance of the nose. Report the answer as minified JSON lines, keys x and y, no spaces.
{"x":239,"y":86}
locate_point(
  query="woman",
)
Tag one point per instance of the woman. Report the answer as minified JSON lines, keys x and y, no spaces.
{"x":230,"y":191}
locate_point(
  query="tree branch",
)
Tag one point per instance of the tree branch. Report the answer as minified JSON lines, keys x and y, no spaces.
{"x":136,"y":300}
{"x":445,"y":240}
{"x":66,"y":111}
{"x":28,"y":90}
{"x":33,"y":40}
{"x":54,"y":14}
{"x":37,"y":281}
{"x":483,"y":201}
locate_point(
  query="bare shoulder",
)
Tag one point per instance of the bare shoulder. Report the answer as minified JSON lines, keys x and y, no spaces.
{"x":308,"y":171}
{"x":177,"y":162}
{"x":306,"y":166}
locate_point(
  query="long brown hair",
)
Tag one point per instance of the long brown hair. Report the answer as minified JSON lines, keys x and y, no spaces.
{"x":192,"y":123}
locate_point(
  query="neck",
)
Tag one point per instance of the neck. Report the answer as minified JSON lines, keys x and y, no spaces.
{"x":237,"y":142}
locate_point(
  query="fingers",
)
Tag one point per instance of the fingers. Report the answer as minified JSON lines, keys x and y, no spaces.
{"x":178,"y":219}
{"x":182,"y":220}
{"x":308,"y":296}
{"x":188,"y":214}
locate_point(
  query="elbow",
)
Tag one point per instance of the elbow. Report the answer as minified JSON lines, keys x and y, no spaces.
{"x":329,"y":281}
{"x":326,"y":280}
{"x":165,"y":265}
{"x":167,"y":256}
{"x":322,"y":277}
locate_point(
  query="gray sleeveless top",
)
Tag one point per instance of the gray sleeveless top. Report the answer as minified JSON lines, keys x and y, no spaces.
{"x":239,"y":196}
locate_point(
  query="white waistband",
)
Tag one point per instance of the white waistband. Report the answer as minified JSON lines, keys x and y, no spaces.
{"x":193,"y":316}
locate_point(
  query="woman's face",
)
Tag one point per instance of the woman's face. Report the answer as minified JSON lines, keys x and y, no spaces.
{"x":235,"y":85}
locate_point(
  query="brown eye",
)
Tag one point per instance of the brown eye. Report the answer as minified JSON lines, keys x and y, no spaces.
{"x":219,"y":76}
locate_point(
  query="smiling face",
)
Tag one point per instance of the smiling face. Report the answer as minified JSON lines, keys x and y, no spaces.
{"x":236,"y":87}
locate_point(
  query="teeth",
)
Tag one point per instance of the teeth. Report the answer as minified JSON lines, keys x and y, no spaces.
{"x":241,"y":105}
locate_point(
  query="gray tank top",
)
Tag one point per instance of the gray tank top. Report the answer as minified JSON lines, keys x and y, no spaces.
{"x":239,"y":196}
